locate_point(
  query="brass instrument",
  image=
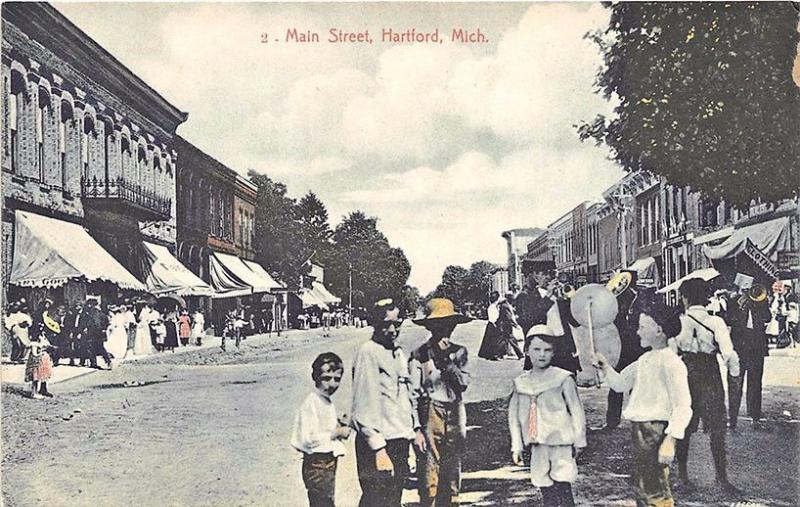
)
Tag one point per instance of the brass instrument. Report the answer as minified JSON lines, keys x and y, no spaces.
{"x":755,"y":294}
{"x":560,"y":290}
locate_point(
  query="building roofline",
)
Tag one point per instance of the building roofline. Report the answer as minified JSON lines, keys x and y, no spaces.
{"x":38,"y":20}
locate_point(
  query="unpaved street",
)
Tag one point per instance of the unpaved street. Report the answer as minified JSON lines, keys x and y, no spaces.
{"x":211,"y":428}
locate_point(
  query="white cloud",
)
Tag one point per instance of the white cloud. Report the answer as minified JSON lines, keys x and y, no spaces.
{"x":447,"y":144}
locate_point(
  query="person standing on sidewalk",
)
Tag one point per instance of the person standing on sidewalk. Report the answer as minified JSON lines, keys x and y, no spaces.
{"x":748,"y":323}
{"x":94,"y":324}
{"x":701,"y":337}
{"x":438,"y":381}
{"x":382,"y":412}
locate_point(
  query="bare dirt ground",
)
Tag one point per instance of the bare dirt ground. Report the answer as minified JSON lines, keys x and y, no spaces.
{"x":208,"y":427}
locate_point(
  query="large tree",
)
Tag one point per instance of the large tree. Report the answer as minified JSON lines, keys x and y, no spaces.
{"x":455,"y":280}
{"x":277,"y":230}
{"x":314,"y":232}
{"x":361,"y":253}
{"x":706,"y":96}
{"x":467,"y":287}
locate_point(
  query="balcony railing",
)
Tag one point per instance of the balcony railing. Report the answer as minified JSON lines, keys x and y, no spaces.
{"x":127,"y":191}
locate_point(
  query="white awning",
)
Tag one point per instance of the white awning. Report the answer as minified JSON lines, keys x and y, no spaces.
{"x":646,"y":271}
{"x":50,"y":252}
{"x":225,"y":276}
{"x":323,"y":294}
{"x":164,"y":274}
{"x":706,"y":274}
{"x":309,"y":298}
{"x":266,"y":281}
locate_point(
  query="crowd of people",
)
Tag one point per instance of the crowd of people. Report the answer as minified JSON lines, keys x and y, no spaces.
{"x":77,"y":336}
{"x":668,"y":370}
{"x":329,"y":317}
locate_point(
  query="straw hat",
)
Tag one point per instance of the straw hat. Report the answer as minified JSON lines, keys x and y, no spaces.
{"x":439,"y":310}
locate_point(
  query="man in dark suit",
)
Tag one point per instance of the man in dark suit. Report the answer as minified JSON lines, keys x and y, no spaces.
{"x":748,"y":319}
{"x":72,"y":333}
{"x":94,"y":323}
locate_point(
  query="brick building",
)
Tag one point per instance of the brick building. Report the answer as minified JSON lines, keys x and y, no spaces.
{"x":84,"y":139}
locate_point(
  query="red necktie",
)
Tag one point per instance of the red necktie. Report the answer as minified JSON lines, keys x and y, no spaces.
{"x":532,"y":420}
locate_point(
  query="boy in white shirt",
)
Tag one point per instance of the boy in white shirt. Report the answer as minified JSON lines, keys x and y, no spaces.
{"x":659,"y":404}
{"x":317,"y":432}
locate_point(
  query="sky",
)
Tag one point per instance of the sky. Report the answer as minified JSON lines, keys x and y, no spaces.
{"x":447,"y":143}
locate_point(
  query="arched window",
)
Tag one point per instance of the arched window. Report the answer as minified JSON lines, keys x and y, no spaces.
{"x":88,"y":128}
{"x":42,"y":111}
{"x":67,"y":114}
{"x":141,"y":159}
{"x":15,"y":102}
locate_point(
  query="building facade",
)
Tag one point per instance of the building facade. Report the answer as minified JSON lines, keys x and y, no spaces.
{"x":244,"y":217}
{"x":516,"y":248}
{"x":205,"y":209}
{"x":84,"y":139}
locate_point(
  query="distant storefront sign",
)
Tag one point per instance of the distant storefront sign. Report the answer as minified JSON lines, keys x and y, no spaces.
{"x":789,"y":260}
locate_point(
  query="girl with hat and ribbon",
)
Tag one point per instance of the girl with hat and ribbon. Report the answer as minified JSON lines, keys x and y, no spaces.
{"x":545,"y":413}
{"x":438,"y":381}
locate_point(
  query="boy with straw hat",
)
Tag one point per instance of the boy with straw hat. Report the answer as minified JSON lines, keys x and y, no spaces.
{"x":438,"y":381}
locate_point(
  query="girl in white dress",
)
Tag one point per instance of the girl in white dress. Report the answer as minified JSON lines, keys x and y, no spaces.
{"x":198,"y":327}
{"x":143,"y":344}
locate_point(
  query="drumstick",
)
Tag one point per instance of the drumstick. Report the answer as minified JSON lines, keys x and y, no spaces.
{"x":591,"y":345}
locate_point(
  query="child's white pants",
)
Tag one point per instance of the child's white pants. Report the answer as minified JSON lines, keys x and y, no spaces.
{"x":552,"y":463}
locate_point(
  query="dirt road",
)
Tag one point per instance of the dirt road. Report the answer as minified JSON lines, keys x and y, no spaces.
{"x":211,"y":428}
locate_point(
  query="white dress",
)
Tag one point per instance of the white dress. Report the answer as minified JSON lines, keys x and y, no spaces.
{"x":143,"y":345}
{"x":198,"y":326}
{"x":117,"y":342}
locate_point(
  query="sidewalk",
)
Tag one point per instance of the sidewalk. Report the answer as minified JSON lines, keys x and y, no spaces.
{"x":15,"y":373}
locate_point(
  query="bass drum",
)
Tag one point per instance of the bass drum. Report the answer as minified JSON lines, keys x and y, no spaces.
{"x":606,"y":342}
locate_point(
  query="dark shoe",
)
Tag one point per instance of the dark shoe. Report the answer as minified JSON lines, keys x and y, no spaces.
{"x":45,"y":393}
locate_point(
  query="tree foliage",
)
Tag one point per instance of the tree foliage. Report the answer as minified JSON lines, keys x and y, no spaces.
{"x":359,"y":249}
{"x":289,"y":232}
{"x":467,"y":287}
{"x":706,"y":96}
{"x":277,"y":230}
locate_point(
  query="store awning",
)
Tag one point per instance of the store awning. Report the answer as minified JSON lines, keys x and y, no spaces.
{"x":323,"y":294}
{"x":706,"y":274}
{"x":267,"y":283}
{"x":50,"y":252}
{"x":769,"y":237}
{"x":228,"y":276}
{"x":309,"y":298}
{"x":164,"y":274}
{"x":646,"y":271}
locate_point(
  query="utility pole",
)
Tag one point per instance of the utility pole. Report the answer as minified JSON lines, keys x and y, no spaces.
{"x":350,"y":291}
{"x":622,"y":196}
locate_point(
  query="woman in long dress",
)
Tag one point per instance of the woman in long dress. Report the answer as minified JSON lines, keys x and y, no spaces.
{"x":171,"y":323}
{"x":143,"y":344}
{"x":184,"y":327}
{"x":198,"y":327}
{"x":117,"y":343}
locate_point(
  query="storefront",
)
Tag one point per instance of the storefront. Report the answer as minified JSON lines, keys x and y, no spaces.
{"x":60,"y":260}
